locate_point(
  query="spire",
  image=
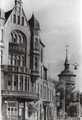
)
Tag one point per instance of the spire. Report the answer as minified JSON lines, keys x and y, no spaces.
{"x":18,"y":2}
{"x":66,"y":59}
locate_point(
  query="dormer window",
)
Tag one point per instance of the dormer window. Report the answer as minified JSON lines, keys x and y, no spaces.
{"x":14,"y":18}
{"x":22,"y":20}
{"x":18,"y":20}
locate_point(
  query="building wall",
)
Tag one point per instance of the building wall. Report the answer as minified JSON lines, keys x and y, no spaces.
{"x":20,"y":87}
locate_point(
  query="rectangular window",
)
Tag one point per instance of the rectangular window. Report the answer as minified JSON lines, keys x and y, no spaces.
{"x":44,"y":92}
{"x":36,"y":43}
{"x":41,"y":91}
{"x":41,"y":54}
{"x":14,"y":18}
{"x":12,"y":111}
{"x":1,"y":57}
{"x":36,"y":63}
{"x":38,"y":89}
{"x":19,"y":60}
{"x":22,"y":20}
{"x":28,"y":84}
{"x":25,"y":83}
{"x":18,"y":20}
{"x":23,"y":61}
{"x":9,"y":82}
{"x":1,"y":35}
{"x":21,"y":83}
{"x":48,"y":93}
{"x":45,"y":74}
{"x":16,"y":82}
{"x":41,"y":72}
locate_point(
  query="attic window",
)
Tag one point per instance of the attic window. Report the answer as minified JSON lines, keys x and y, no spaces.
{"x":22,"y":20}
{"x":14,"y":19}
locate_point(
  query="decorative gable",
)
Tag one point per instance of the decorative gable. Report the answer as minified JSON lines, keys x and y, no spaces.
{"x":16,"y":15}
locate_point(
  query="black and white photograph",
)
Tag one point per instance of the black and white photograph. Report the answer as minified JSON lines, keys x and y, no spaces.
{"x":40,"y":59}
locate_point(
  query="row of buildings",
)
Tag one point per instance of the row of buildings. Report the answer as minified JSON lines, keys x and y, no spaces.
{"x":26,"y":93}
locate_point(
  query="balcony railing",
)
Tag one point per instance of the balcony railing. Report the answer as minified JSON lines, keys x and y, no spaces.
{"x":25,"y":95}
{"x":15,"y":69}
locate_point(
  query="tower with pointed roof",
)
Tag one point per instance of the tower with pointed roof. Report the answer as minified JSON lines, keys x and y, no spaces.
{"x":66,"y":86}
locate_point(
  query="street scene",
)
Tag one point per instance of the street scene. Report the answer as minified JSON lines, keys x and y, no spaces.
{"x":40,"y":60}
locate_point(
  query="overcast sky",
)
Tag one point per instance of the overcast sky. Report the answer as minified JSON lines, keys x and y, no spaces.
{"x":60,"y":26}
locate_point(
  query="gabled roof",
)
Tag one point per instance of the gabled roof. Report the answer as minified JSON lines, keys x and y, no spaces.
{"x":33,"y":22}
{"x":7,"y":14}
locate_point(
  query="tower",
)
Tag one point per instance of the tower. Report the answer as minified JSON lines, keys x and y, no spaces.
{"x":35,"y":47}
{"x":66,"y":85}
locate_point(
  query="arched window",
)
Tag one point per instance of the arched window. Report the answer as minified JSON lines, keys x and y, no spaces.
{"x":17,"y":48}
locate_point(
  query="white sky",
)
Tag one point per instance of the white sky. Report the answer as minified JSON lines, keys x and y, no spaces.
{"x":60,"y":22}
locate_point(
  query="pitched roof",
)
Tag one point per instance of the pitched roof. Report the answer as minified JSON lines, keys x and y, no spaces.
{"x":33,"y":22}
{"x":7,"y":14}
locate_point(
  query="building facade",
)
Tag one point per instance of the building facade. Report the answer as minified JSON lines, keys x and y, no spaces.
{"x":22,"y":70}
